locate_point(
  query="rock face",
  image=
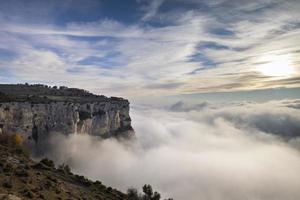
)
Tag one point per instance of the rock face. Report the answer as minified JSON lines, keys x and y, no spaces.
{"x":37,"y":118}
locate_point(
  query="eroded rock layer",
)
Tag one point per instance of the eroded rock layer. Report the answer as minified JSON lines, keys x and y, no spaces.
{"x":36,"y":117}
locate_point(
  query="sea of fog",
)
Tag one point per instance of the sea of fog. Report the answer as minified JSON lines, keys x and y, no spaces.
{"x":204,"y":151}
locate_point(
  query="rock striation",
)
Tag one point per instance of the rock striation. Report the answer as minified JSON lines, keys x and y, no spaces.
{"x":36,"y":111}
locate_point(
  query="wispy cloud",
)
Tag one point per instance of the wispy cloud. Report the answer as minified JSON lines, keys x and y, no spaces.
{"x":151,"y":9}
{"x":165,"y":51}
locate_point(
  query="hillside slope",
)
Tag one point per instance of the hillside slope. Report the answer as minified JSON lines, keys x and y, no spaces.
{"x":26,"y":179}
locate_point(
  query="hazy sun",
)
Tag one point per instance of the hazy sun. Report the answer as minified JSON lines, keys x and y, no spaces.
{"x":277,"y":66}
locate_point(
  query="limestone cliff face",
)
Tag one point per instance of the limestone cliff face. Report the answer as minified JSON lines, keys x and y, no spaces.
{"x":38,"y":120}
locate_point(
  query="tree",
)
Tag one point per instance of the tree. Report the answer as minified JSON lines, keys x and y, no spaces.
{"x":148,"y":194}
{"x":65,"y":168}
{"x":156,"y":196}
{"x":133,"y":194}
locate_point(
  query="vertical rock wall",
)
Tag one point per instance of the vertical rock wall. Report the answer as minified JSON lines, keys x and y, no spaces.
{"x":38,"y":120}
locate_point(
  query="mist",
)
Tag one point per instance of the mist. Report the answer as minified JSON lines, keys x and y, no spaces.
{"x":215,"y":151}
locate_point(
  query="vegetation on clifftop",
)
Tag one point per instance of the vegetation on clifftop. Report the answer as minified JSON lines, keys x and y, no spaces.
{"x":39,"y":93}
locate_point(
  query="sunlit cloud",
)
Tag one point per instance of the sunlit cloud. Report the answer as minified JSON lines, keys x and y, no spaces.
{"x":198,"y":151}
{"x":276,"y":66}
{"x":194,"y":49}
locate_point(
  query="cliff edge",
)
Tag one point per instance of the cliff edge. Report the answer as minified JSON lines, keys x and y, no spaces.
{"x":36,"y":111}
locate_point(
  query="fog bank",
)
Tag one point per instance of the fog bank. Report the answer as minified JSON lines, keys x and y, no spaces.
{"x":209,"y":152}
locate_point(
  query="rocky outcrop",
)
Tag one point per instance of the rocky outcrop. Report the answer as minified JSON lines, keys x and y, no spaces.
{"x":37,"y":119}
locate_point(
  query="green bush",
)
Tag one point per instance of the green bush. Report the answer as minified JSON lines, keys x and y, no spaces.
{"x":65,"y":168}
{"x":148,"y":194}
{"x":47,"y":162}
{"x":133,"y":194}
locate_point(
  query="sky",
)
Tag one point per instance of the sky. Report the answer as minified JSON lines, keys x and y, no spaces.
{"x":189,"y":53}
{"x":139,"y":48}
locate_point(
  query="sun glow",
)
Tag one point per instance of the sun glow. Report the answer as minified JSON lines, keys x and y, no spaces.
{"x":277,"y":66}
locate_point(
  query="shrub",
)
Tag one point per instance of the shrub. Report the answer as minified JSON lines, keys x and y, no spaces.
{"x":11,"y":140}
{"x":155,"y":196}
{"x":47,"y":162}
{"x":148,"y":192}
{"x":83,"y":180}
{"x":65,"y":168}
{"x":98,"y":182}
{"x":18,"y":139}
{"x":132,"y":194}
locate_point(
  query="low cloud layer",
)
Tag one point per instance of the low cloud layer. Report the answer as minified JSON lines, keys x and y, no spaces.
{"x":277,"y":117}
{"x":216,"y":152}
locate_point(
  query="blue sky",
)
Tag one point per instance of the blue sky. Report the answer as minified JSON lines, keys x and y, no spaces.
{"x":142,"y":48}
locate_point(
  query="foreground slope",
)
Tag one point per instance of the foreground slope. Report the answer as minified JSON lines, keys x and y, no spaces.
{"x":26,"y":179}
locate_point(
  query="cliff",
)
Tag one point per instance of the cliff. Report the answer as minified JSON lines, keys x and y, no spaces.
{"x":36,"y":111}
